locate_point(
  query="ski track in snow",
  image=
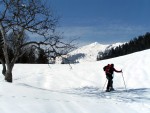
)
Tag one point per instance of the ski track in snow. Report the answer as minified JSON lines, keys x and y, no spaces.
{"x":140,"y":95}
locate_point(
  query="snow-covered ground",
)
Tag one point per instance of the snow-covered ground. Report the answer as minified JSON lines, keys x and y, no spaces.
{"x":59,"y":88}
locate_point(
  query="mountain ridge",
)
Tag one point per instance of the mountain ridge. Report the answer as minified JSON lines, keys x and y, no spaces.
{"x":88,"y":53}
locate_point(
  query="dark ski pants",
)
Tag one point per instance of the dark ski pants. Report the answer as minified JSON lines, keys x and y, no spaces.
{"x":110,"y":81}
{"x":109,"y":84}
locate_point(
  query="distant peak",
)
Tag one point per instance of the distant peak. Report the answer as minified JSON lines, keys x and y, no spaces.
{"x":95,"y":43}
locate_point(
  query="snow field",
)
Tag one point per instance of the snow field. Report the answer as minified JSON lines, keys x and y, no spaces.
{"x":41,"y":88}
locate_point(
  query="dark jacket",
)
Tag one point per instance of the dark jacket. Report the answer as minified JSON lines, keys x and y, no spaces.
{"x":110,"y":70}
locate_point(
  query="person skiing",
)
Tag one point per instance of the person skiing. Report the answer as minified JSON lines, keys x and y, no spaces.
{"x":109,"y":70}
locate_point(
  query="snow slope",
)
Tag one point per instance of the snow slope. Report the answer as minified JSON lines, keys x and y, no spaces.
{"x":89,"y":52}
{"x":59,"y":88}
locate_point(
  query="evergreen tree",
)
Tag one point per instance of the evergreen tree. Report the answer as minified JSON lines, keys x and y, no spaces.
{"x":137,"y":44}
{"x":42,"y":57}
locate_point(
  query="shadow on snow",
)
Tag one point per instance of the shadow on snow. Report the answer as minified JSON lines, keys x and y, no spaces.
{"x":131,"y":95}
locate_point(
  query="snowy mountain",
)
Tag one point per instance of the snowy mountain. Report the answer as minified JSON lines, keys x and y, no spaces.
{"x":89,"y":52}
{"x":57,"y":88}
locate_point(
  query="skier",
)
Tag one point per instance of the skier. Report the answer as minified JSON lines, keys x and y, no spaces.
{"x":109,"y":70}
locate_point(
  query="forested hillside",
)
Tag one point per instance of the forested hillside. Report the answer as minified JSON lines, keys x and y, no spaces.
{"x":137,"y":44}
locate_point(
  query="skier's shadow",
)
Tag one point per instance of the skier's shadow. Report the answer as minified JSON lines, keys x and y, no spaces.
{"x":129,"y":95}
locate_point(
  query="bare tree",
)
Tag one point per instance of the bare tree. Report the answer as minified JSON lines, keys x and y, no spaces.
{"x":20,"y":16}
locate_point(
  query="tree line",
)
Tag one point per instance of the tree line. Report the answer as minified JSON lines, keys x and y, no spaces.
{"x":137,"y":44}
{"x":31,"y":55}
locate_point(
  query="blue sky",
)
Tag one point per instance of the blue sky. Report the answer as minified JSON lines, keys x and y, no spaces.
{"x":103,"y":21}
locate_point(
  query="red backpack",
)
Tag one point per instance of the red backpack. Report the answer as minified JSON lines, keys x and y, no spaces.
{"x":106,"y":68}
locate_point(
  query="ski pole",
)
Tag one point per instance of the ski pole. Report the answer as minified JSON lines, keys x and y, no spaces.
{"x":124,"y":82}
{"x":104,"y":85}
